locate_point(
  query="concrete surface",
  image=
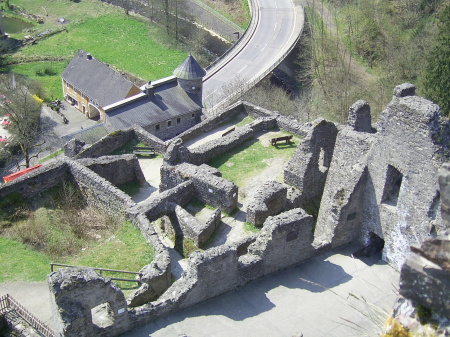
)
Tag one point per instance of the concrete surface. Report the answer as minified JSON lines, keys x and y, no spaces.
{"x":316,"y":298}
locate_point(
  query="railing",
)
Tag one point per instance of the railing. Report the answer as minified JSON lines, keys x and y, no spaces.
{"x":101,"y":270}
{"x":7,"y":303}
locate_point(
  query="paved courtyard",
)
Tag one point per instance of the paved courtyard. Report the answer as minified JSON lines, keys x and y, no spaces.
{"x":324,"y":296}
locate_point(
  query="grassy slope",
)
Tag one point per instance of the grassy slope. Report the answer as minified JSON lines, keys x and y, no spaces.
{"x":126,"y":42}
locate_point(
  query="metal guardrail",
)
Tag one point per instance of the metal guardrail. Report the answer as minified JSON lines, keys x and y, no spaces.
{"x":252,"y":82}
{"x":101,"y":270}
{"x":7,"y":303}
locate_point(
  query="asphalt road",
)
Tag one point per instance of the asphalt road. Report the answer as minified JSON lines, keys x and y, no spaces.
{"x":276,"y":30}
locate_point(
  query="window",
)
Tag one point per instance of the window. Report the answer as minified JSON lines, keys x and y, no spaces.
{"x":178,"y":120}
{"x":169,"y":124}
{"x":157,"y":127}
{"x":391,"y":190}
{"x":193,"y":115}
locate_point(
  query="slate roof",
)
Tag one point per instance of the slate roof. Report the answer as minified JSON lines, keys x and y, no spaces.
{"x":168,"y":102}
{"x":96,"y":80}
{"x":189,"y":69}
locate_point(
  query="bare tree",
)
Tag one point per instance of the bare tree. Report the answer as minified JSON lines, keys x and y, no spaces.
{"x":23,"y":112}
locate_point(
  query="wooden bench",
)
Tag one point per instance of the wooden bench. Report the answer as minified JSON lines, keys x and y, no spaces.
{"x":146,"y":151}
{"x":287,"y":139}
{"x":228,"y":131}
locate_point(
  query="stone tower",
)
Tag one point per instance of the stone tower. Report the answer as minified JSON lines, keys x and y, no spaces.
{"x":190,"y":75}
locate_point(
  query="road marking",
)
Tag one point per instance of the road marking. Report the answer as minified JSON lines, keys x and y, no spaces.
{"x":242,"y":69}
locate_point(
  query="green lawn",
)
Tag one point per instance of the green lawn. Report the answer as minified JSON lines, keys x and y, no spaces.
{"x":126,"y":42}
{"x":249,"y":159}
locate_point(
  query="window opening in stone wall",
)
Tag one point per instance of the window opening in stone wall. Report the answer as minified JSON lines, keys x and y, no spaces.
{"x":392,"y":186}
{"x":178,"y":120}
{"x":157,"y":127}
{"x":169,"y":124}
{"x":102,"y":316}
{"x":321,"y":162}
{"x":193,"y":115}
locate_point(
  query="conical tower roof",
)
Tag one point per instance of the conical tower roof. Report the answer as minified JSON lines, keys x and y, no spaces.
{"x":189,"y":69}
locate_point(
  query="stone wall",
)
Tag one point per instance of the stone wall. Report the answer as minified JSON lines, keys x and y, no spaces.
{"x":269,"y":199}
{"x":208,"y":184}
{"x":116,"y":139}
{"x":116,"y":169}
{"x":85,"y":304}
{"x":99,"y":191}
{"x":308,"y":168}
{"x":285,"y":240}
{"x":156,"y":276}
{"x":37,"y":181}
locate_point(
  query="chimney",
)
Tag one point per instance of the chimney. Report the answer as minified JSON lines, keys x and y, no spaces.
{"x":149,"y":90}
{"x":89,"y":56}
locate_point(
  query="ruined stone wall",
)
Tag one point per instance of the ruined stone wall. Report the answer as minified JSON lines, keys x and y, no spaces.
{"x":165,"y":203}
{"x":212,"y":122}
{"x":285,"y":240}
{"x":342,"y":204}
{"x":107,"y":144}
{"x":209,"y":186}
{"x":76,"y":295}
{"x":117,"y":170}
{"x":37,"y":181}
{"x":308,"y":168}
{"x":404,"y":165}
{"x":149,"y":139}
{"x":156,"y":276}
{"x":206,"y":152}
{"x":269,"y":199}
{"x":98,"y":191}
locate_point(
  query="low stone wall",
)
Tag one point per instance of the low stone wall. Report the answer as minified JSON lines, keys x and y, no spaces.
{"x":285,"y":240}
{"x":194,"y":229}
{"x":209,"y":186}
{"x":116,"y":169}
{"x":116,"y":139}
{"x":156,"y":276}
{"x":100,"y":192}
{"x":107,"y":144}
{"x":269,"y":199}
{"x":37,"y":181}
{"x":164,"y":203}
{"x":213,"y":122}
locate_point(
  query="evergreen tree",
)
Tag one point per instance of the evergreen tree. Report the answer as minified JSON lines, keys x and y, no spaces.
{"x":437,"y":73}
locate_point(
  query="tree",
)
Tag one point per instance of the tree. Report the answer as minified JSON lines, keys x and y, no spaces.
{"x":23,"y":111}
{"x":437,"y":72}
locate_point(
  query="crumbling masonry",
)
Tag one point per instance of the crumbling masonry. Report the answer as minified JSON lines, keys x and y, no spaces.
{"x":355,"y":181}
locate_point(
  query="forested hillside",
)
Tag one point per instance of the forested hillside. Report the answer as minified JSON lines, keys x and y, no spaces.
{"x":361,"y":49}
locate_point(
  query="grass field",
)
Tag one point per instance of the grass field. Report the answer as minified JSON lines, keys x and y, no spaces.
{"x":126,"y":42}
{"x":249,"y":159}
{"x":125,"y":250}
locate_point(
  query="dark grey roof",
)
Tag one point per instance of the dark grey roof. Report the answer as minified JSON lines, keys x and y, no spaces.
{"x":89,"y":135}
{"x":189,"y":69}
{"x":169,"y":101}
{"x":95,"y":79}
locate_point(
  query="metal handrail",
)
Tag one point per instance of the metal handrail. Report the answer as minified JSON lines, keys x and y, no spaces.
{"x":102,"y":269}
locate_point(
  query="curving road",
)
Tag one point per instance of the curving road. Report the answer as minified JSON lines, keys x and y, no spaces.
{"x":275,"y":29}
